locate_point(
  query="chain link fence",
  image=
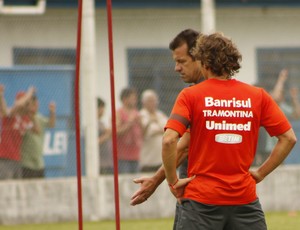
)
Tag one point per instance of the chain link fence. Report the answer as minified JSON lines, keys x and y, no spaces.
{"x":37,"y":74}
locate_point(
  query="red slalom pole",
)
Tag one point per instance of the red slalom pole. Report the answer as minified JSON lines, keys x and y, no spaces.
{"x":77,"y":115}
{"x":113,"y":112}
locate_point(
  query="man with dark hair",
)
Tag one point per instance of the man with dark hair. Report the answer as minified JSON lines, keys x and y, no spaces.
{"x":128,"y":92}
{"x":188,"y":37}
{"x":104,"y":141}
{"x":189,"y":70}
{"x":129,"y":132}
{"x":224,"y":115}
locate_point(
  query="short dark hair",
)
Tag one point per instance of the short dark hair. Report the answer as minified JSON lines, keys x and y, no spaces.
{"x":100,"y":102}
{"x":125,"y":93}
{"x":188,"y":36}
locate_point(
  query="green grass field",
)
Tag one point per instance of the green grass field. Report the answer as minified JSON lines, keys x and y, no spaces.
{"x":275,"y":220}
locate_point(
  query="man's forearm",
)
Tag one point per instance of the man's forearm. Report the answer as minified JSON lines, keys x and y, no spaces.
{"x":169,"y":157}
{"x":281,"y":150}
{"x":52,"y":119}
{"x":160,"y":175}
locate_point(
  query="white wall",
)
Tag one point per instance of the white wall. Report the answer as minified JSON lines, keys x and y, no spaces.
{"x":55,"y":200}
{"x":55,"y":29}
{"x":250,"y":28}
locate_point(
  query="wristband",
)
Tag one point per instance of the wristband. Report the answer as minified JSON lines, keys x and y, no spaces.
{"x":172,"y":185}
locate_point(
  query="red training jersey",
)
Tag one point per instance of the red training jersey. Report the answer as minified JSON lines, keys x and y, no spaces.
{"x":224,"y":119}
{"x":12,"y":131}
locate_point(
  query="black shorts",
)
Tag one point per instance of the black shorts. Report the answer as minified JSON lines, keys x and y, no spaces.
{"x":197,"y":216}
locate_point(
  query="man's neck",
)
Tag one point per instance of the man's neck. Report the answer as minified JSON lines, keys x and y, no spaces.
{"x":210,"y":75}
{"x":200,"y":79}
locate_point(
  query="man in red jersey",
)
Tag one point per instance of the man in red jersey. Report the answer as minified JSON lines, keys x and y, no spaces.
{"x":14,"y":123}
{"x":224,"y":116}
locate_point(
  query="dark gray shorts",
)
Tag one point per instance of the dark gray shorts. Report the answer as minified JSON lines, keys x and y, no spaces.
{"x":197,"y":216}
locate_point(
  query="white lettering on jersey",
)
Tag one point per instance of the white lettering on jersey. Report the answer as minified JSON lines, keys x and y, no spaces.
{"x":212,"y":125}
{"x":228,"y":108}
{"x":210,"y":101}
{"x":227,"y":113}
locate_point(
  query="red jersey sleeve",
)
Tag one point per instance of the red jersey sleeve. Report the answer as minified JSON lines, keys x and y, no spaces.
{"x":272,"y":117}
{"x":179,"y":119}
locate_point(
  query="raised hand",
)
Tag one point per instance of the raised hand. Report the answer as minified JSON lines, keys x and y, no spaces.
{"x":283,"y":75}
{"x":52,"y":107}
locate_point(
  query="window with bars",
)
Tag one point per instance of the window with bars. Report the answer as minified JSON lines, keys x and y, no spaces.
{"x":43,"y":56}
{"x":270,"y":61}
{"x":154,"y":69}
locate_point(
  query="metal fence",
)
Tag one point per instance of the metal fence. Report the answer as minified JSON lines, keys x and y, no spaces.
{"x":40,"y":51}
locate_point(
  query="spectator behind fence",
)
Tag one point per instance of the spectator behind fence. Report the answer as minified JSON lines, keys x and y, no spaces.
{"x":153,"y":122}
{"x":33,"y":165}
{"x":129,"y":132}
{"x":14,"y":123}
{"x":290,"y":108}
{"x":104,"y":140}
{"x":261,"y":151}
